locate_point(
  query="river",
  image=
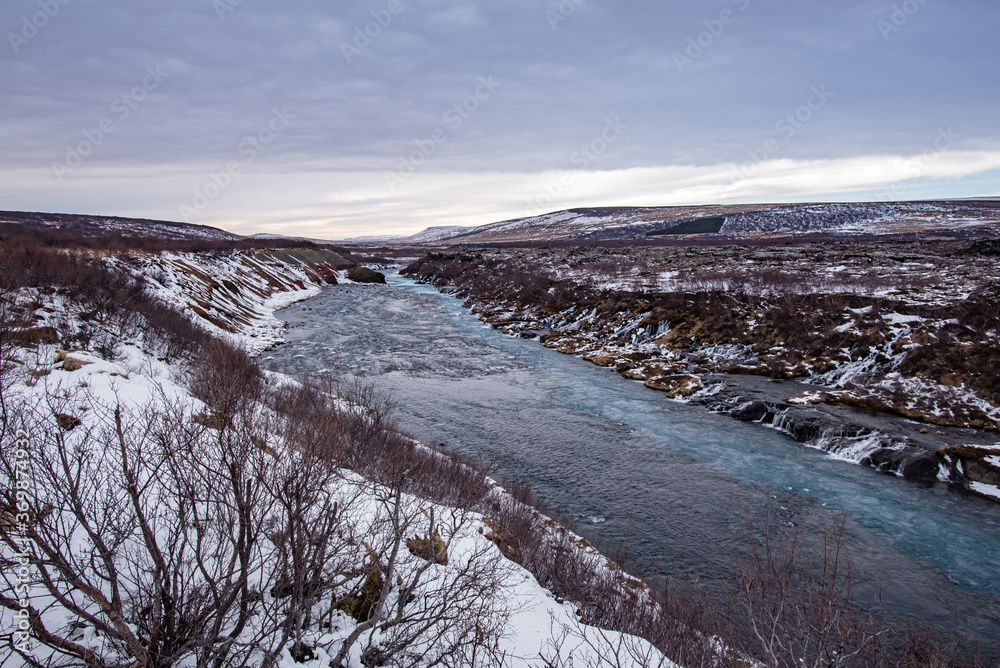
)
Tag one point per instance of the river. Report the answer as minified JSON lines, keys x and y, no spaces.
{"x":674,"y":481}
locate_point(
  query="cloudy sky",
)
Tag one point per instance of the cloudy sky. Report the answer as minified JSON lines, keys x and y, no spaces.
{"x":386,"y":116}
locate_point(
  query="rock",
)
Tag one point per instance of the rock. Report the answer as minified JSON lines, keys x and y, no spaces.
{"x":430,"y":548}
{"x":600,"y":359}
{"x":73,"y":364}
{"x":975,"y":463}
{"x":988,"y":247}
{"x":677,"y":385}
{"x":753,"y":411}
{"x":67,"y":422}
{"x":327,"y":274}
{"x":807,"y":426}
{"x":885,"y":460}
{"x":365,"y":275}
{"x":923,"y":467}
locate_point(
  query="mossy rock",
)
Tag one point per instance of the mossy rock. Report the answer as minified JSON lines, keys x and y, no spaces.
{"x":676,"y":385}
{"x":429,"y":548}
{"x":365,"y":275}
{"x":504,"y":539}
{"x":67,"y":422}
{"x":361,"y":606}
{"x":73,"y":364}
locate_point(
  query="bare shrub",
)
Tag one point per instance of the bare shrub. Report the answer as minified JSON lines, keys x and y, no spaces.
{"x":226,"y":378}
{"x":798,"y":609}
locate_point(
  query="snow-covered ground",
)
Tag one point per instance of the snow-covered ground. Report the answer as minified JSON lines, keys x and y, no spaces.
{"x":76,"y":393}
{"x":231,"y":295}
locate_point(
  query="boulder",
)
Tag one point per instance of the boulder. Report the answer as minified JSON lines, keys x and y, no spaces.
{"x":923,"y":467}
{"x":677,"y":385}
{"x":365,"y":275}
{"x":752,"y":411}
{"x":73,"y":364}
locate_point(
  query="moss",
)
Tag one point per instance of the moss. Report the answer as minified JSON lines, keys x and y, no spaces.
{"x":361,"y":605}
{"x":429,"y":548}
{"x":504,"y":539}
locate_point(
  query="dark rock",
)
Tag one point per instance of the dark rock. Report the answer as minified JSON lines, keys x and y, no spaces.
{"x":988,"y":247}
{"x":922,"y":467}
{"x":805,"y":428}
{"x":751,"y":412}
{"x":365,"y":275}
{"x":885,"y":460}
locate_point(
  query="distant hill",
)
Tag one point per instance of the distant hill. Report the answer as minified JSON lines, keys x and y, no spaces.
{"x":737,"y":221}
{"x":93,"y":226}
{"x":434,"y":234}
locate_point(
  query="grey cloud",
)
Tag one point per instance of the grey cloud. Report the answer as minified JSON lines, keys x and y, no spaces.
{"x":605,"y":59}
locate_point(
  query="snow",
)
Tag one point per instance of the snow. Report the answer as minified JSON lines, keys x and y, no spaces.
{"x":196,"y":284}
{"x":899,"y":319}
{"x":537,"y":624}
{"x":992,"y":491}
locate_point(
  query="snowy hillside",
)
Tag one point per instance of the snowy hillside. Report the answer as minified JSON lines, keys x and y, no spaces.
{"x":166,"y":466}
{"x":95,"y":226}
{"x":235,"y":295}
{"x":740,"y":221}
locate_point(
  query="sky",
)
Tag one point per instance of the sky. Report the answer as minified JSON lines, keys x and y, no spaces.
{"x":338,"y":120}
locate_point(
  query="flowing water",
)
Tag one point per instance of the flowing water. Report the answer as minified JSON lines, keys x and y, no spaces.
{"x":673,"y":481}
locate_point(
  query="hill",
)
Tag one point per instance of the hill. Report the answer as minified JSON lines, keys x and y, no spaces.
{"x":967,"y":218}
{"x":96,"y":226}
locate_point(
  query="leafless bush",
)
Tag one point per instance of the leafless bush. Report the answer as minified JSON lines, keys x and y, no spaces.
{"x":798,"y":610}
{"x":226,"y":378}
{"x":426,"y":614}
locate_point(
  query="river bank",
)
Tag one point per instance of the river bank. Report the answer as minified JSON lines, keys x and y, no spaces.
{"x":860,"y":369}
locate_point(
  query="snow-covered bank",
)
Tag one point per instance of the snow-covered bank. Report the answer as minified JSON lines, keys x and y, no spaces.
{"x":234,"y":295}
{"x":78,"y":400}
{"x":107,"y":407}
